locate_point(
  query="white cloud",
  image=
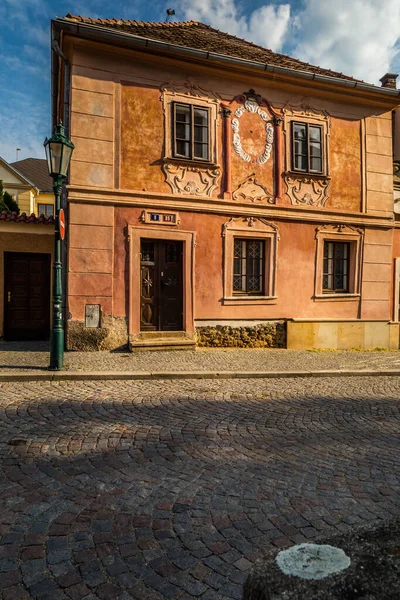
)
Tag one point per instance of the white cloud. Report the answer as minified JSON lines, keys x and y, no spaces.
{"x":266,"y":25}
{"x":357,"y":37}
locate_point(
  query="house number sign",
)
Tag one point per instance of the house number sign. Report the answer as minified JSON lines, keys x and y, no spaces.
{"x":252,"y":107}
{"x":160,"y":217}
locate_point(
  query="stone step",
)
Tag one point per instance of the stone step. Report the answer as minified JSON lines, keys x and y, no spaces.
{"x":162,"y":340}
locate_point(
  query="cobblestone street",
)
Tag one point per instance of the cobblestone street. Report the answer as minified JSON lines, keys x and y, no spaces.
{"x":172,"y":489}
{"x":34,"y":356}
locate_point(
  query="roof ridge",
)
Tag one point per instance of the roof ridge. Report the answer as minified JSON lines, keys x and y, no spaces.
{"x":27,"y":158}
{"x":134,"y":22}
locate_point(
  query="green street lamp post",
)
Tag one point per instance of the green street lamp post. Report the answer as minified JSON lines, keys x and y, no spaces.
{"x":58,"y":153}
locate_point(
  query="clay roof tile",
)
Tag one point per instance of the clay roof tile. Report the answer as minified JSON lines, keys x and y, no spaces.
{"x":196,"y":35}
{"x":24,"y":218}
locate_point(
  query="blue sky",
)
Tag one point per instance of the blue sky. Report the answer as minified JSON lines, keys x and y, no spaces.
{"x":358,"y":37}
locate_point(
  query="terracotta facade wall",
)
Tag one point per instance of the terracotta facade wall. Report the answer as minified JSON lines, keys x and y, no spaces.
{"x":118,"y":127}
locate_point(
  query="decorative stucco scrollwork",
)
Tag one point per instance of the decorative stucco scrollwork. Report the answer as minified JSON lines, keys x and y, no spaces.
{"x":251,"y":190}
{"x":190,"y":87}
{"x":306,"y":190}
{"x":191,"y":181}
{"x":262,"y":225}
{"x":252,"y":107}
{"x":338,"y":228}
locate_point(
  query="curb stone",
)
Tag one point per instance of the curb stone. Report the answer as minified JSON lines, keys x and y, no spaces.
{"x":11,"y":376}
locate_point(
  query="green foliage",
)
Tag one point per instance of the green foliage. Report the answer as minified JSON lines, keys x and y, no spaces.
{"x":7,"y":203}
{"x":10,"y":202}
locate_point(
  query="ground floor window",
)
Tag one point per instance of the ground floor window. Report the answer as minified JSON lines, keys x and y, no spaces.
{"x":336,"y":267}
{"x":248,"y":261}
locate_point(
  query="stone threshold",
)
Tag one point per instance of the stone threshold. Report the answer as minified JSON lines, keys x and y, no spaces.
{"x":11,"y":376}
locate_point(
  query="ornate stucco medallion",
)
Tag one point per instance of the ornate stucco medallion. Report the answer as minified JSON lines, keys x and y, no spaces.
{"x":252,"y":107}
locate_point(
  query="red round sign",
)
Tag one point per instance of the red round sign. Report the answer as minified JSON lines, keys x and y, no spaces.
{"x":61,"y":223}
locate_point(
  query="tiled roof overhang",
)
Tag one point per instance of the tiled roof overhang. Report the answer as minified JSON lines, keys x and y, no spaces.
{"x":24,"y":218}
{"x":100,"y":31}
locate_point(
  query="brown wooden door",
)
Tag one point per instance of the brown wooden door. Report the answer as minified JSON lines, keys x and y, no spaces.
{"x":26,"y":296}
{"x":161,"y":302}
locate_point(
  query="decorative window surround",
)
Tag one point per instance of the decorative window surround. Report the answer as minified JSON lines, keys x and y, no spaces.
{"x":304,"y":188}
{"x":191,"y":181}
{"x":255,"y":228}
{"x":307,"y":189}
{"x":339,"y":233}
{"x":183,"y":175}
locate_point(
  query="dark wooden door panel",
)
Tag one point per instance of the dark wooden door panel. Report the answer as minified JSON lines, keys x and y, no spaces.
{"x":161,"y":281}
{"x":148,"y":286}
{"x":27,"y":296}
{"x":171,"y":286}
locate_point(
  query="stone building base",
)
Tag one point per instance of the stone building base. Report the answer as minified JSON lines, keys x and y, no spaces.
{"x":303,"y":334}
{"x":246,"y":334}
{"x":112,"y":335}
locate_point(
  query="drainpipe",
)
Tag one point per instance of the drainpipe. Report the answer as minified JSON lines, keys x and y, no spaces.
{"x":67,"y":85}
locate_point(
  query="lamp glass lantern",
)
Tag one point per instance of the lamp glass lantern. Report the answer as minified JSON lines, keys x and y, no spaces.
{"x":58,"y":152}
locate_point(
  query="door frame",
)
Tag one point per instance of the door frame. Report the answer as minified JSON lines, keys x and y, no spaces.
{"x":6,"y":258}
{"x":159,"y":300}
{"x":136,"y":233}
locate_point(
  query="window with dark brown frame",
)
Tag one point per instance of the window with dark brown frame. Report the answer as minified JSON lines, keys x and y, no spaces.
{"x":307,"y":148}
{"x":191,"y":132}
{"x":46,"y":209}
{"x":248,"y":267}
{"x":336,"y":267}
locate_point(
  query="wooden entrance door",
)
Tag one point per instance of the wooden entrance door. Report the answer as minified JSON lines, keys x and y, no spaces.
{"x":26,"y":296}
{"x":161,"y":302}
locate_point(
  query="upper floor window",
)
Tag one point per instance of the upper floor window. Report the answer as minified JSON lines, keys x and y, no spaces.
{"x":191,"y":125}
{"x":307,"y":148}
{"x":45,"y":209}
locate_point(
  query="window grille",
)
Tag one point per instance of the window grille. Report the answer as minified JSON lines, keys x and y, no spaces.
{"x":248,"y":275}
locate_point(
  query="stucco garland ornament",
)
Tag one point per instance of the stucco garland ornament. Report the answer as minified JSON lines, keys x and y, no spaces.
{"x":252,"y":107}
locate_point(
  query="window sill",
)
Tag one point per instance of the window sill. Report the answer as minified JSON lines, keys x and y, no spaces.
{"x":192,"y":163}
{"x":249,"y":299}
{"x":305,"y":174}
{"x":340,"y":296}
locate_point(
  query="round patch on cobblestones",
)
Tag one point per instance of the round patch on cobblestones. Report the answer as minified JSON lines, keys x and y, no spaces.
{"x":312,"y":561}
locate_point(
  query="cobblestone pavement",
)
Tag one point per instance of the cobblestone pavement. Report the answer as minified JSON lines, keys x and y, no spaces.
{"x":31,"y":356}
{"x":172,"y":489}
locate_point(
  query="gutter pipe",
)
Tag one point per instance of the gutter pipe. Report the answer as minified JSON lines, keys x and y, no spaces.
{"x":67,"y":85}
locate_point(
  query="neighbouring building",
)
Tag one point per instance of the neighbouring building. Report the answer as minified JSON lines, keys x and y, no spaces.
{"x":26,"y":250}
{"x":19,"y":186}
{"x":222,"y":194}
{"x":36,"y":170}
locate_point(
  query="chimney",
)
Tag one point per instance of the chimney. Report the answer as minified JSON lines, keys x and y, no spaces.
{"x":389,"y":80}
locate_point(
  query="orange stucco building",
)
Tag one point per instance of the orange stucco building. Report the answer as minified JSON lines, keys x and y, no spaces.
{"x":220,"y":193}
